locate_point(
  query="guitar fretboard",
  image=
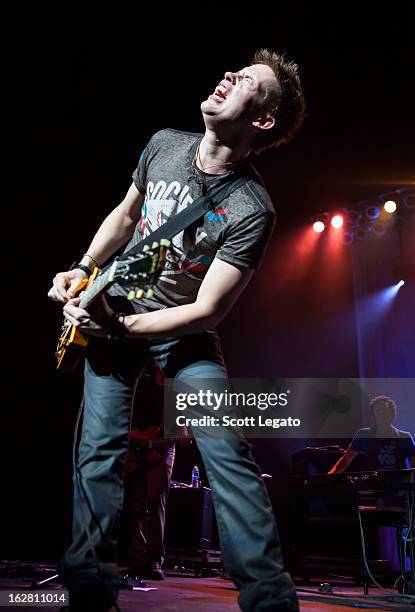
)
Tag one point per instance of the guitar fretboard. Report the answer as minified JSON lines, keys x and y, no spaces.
{"x":98,"y":286}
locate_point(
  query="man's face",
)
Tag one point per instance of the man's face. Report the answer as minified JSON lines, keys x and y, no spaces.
{"x":238,"y":97}
{"x":383,"y":413}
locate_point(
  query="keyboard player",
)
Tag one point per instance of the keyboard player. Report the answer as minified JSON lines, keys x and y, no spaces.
{"x":384,"y":446}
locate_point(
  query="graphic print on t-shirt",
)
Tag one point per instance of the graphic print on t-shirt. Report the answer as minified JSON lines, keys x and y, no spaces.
{"x":387,"y":454}
{"x":157,"y":209}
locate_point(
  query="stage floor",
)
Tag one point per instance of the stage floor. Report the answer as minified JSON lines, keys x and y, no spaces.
{"x":215,"y":594}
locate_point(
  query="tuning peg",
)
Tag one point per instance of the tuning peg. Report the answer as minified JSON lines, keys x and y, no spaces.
{"x":146,"y":248}
{"x":139,"y":294}
{"x":131,"y":294}
{"x":164,"y":242}
{"x":149,"y":293}
{"x":155,"y":245}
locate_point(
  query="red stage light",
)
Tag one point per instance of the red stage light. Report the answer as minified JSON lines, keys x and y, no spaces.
{"x":337,"y":221}
{"x":318,"y":226}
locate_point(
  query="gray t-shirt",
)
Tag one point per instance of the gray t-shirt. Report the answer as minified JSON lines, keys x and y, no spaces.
{"x":237,"y":231}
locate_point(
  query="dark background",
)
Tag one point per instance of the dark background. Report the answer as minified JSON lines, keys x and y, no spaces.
{"x":82,"y":94}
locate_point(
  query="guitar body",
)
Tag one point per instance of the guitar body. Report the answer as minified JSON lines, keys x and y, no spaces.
{"x":71,"y":347}
{"x":135,"y":272}
{"x":72,"y":343}
{"x":143,"y":448}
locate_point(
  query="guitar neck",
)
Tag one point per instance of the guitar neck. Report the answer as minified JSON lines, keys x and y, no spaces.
{"x":98,"y":286}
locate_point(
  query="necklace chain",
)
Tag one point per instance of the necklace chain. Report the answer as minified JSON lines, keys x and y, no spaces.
{"x":197,"y":158}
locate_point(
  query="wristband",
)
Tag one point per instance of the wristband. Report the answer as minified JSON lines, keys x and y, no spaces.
{"x":85,"y":269}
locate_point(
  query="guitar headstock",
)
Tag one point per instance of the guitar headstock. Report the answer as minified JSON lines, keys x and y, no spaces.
{"x":139,"y":272}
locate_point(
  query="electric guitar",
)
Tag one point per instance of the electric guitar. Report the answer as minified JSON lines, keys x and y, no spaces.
{"x":136,"y":272}
{"x":145,"y":445}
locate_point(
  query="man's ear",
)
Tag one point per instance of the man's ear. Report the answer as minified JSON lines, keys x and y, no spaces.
{"x":265,"y":122}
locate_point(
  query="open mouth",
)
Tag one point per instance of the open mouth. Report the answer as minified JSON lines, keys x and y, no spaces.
{"x":220,"y":93}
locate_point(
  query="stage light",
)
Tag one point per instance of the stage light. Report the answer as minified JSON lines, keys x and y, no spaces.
{"x":354,"y":215}
{"x":375,"y":216}
{"x":352,"y":219}
{"x":385,"y":297}
{"x":390,"y":206}
{"x":372,"y":212}
{"x":337,"y":221}
{"x":409,"y":201}
{"x":318,"y":226}
{"x":381,"y":302}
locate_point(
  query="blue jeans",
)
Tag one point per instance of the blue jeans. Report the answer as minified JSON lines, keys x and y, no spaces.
{"x":249,"y":539}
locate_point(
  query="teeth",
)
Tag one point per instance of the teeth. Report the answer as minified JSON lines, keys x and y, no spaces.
{"x":221,"y":91}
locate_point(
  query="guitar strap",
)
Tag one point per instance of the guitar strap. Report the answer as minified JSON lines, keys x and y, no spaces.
{"x":186,"y":217}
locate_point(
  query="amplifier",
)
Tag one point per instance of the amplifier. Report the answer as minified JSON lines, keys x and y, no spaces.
{"x":190,"y":520}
